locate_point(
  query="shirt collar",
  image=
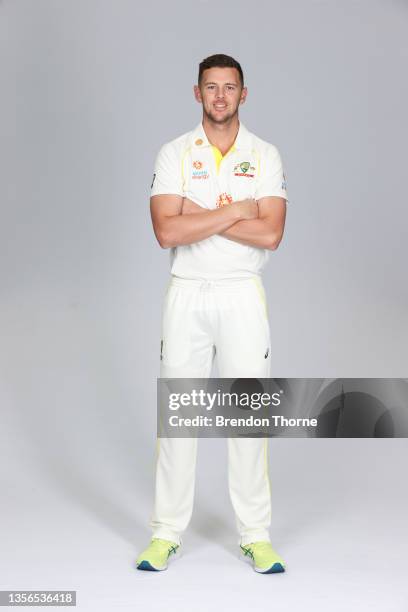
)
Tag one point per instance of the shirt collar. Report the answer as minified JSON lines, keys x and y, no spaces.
{"x":242,"y":141}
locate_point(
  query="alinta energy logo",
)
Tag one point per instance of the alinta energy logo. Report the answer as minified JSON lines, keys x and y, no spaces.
{"x":199,"y":172}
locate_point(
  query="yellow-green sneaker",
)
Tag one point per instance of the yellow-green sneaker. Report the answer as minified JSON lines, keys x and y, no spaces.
{"x":157,"y":555}
{"x":262,"y":557}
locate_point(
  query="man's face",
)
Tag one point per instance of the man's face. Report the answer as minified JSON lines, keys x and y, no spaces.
{"x":220,"y":92}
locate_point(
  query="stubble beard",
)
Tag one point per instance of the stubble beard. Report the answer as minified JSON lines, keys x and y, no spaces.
{"x":220,"y":120}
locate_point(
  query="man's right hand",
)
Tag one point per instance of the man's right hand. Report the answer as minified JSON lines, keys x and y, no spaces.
{"x":248,"y":209}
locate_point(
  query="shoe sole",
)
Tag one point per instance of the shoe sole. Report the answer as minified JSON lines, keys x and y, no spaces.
{"x":276,"y":568}
{"x":148,"y":567}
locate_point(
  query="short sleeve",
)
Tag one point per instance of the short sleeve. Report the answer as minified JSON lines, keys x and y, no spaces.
{"x":272,"y":180}
{"x":167,"y":177}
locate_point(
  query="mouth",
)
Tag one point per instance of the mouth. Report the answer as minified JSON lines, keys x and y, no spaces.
{"x":220,"y":107}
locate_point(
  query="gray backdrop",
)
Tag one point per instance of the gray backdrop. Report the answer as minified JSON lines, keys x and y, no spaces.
{"x":89,"y":92}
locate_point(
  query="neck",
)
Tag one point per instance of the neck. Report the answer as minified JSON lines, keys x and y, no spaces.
{"x":221,"y":135}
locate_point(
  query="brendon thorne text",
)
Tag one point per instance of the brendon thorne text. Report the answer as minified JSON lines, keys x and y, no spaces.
{"x":250,"y":421}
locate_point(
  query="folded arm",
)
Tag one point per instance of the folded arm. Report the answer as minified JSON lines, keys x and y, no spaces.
{"x":173,"y":228}
{"x":264,"y":232}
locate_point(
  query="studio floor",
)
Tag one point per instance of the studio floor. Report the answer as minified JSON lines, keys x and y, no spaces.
{"x":339,"y":510}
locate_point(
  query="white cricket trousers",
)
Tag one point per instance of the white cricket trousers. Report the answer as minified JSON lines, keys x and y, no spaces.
{"x":200,"y":319}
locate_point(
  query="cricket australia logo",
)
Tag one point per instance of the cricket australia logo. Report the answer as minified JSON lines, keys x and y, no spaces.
{"x":244,"y":169}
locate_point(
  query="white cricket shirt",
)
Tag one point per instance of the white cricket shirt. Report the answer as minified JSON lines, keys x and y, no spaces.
{"x":191,"y":167}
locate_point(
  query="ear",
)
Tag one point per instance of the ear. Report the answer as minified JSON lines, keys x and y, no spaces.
{"x":244,"y":94}
{"x":197,"y":93}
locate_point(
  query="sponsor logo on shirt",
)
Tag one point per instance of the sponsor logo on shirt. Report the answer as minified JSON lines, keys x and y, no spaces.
{"x":284,"y":181}
{"x":200,"y":174}
{"x":223,"y":200}
{"x":154,"y":176}
{"x":244,"y":169}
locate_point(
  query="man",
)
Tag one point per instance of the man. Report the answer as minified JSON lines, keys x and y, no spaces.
{"x":218,"y":201}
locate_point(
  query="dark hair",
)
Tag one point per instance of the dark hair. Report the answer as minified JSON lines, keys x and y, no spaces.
{"x":219,"y":61}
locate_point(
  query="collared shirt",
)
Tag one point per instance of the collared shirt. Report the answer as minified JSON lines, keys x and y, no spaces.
{"x":190,"y":166}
